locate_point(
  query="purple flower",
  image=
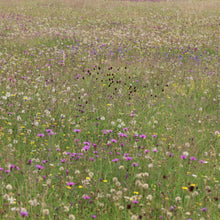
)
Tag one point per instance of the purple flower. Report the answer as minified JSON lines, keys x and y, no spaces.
{"x":192,"y":158}
{"x":134,"y":165}
{"x":183,"y":157}
{"x":204,"y":209}
{"x":50,"y":132}
{"x":135,"y":201}
{"x":201,"y":161}
{"x":1,"y":169}
{"x":128,"y":158}
{"x":39,"y":167}
{"x":70,"y":183}
{"x":115,"y":160}
{"x":154,"y":150}
{"x":63,"y":160}
{"x":142,"y":136}
{"x":86,"y":148}
{"x":24,"y":214}
{"x":146,"y":151}
{"x":30,"y":162}
{"x":113,"y":141}
{"x":154,"y":135}
{"x":93,"y":216}
{"x":86,"y":197}
{"x":76,"y":130}
{"x":40,"y":135}
{"x":67,"y":172}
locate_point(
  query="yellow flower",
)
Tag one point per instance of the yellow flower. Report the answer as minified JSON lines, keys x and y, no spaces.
{"x":136,"y":192}
{"x":105,"y":181}
{"x":184,"y":187}
{"x":80,"y":187}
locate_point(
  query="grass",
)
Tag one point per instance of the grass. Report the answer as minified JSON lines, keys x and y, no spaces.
{"x":109,"y":109}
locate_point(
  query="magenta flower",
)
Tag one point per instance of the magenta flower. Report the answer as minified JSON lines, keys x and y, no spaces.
{"x":24,"y":214}
{"x":86,"y":148}
{"x":93,"y":216}
{"x":135,"y":201}
{"x":40,"y":135}
{"x":142,"y":136}
{"x":154,"y":150}
{"x":201,"y":161}
{"x":63,"y":160}
{"x":76,"y":130}
{"x":146,"y":151}
{"x":86,"y":197}
{"x":204,"y":209}
{"x":128,"y":158}
{"x":192,"y":158}
{"x":183,"y":157}
{"x":39,"y":167}
{"x":113,"y":141}
{"x":134,"y":165}
{"x":115,"y":160}
{"x":70,"y":183}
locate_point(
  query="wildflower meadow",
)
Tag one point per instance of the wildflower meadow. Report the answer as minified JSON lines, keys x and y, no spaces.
{"x":109,"y":110}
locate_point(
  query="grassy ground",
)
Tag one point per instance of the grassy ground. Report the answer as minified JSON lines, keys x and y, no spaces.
{"x":109,"y":109}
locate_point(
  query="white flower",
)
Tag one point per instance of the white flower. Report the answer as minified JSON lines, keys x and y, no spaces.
{"x":102,"y":118}
{"x":46,"y":212}
{"x":9,"y":187}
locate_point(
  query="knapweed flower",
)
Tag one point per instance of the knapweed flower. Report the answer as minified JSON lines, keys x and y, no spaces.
{"x":154,"y":150}
{"x":39,"y":167}
{"x":113,"y":140}
{"x":76,"y":130}
{"x":115,"y":160}
{"x":134,"y":165}
{"x":128,"y":158}
{"x":204,"y":209}
{"x":40,"y":135}
{"x":183,"y":157}
{"x":192,"y":158}
{"x":142,"y":136}
{"x":135,"y":201}
{"x":93,"y":216}
{"x":86,"y":197}
{"x":24,"y":214}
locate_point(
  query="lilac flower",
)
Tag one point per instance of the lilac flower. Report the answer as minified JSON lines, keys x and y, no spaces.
{"x":86,"y":197}
{"x":1,"y":169}
{"x":201,"y":161}
{"x":39,"y":167}
{"x":40,"y":135}
{"x":146,"y":151}
{"x":24,"y":214}
{"x":154,"y":135}
{"x":76,"y":130}
{"x":142,"y":136}
{"x":192,"y":158}
{"x":135,"y":201}
{"x":183,"y":157}
{"x":134,"y":165}
{"x":128,"y":158}
{"x":93,"y":216}
{"x":86,"y":148}
{"x":155,"y":150}
{"x":63,"y":160}
{"x":204,"y":209}
{"x":92,"y":158}
{"x":70,"y":183}
{"x":115,"y":160}
{"x":113,"y":141}
{"x":125,"y":129}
